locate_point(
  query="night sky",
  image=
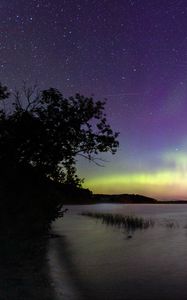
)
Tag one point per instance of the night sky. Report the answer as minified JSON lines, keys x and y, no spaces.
{"x":132,"y":52}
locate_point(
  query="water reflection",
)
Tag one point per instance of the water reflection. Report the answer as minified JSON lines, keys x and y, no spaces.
{"x":65,"y":272}
{"x":99,"y":262}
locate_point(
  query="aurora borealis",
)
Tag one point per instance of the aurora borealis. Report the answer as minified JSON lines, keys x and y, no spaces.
{"x":167,"y":180}
{"x":132,"y":52}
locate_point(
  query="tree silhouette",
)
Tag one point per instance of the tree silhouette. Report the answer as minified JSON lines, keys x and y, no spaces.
{"x":41,"y":136}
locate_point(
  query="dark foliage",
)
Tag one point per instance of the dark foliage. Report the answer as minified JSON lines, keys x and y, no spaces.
{"x":41,"y":135}
{"x":123,"y":198}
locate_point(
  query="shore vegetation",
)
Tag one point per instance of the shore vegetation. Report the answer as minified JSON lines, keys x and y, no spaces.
{"x":42,"y":134}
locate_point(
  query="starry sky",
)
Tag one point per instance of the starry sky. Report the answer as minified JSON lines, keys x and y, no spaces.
{"x":132,"y":52}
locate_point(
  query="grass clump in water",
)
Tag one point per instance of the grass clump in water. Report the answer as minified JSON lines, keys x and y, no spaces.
{"x":171,"y":224}
{"x":128,"y":222}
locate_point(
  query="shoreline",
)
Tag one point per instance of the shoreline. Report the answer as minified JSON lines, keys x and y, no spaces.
{"x":24,"y":269}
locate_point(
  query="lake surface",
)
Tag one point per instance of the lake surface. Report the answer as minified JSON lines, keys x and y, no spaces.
{"x":90,"y":260}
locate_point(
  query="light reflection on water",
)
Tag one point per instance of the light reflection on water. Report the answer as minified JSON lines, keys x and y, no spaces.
{"x":96,"y":261}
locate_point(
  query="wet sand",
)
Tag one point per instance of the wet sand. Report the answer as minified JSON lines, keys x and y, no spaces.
{"x":24,"y":269}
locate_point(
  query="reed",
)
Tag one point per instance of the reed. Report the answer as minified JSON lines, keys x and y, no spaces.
{"x":128,"y":222}
{"x":171,"y":224}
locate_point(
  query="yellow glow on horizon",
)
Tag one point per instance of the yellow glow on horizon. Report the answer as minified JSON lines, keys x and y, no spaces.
{"x":157,"y":184}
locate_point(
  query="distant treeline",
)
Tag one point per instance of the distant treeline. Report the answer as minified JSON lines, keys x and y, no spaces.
{"x":130,"y":199}
{"x":123,"y":198}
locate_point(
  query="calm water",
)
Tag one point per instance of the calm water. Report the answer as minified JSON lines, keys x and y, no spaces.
{"x":92,"y":261}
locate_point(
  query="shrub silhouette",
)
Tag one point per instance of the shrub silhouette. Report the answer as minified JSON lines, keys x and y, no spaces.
{"x":41,"y":135}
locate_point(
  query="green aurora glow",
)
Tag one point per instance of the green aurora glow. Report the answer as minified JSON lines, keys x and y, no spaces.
{"x":167,"y":183}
